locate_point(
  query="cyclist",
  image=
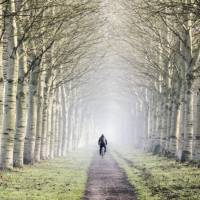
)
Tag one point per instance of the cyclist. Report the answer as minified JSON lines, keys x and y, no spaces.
{"x":102,"y":143}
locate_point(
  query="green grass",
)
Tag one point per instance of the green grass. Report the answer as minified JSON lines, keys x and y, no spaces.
{"x":59,"y":179}
{"x":159,"y":178}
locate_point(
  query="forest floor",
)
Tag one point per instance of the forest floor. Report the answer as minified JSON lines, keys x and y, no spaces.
{"x":59,"y":179}
{"x":106,"y":181}
{"x":159,"y":178}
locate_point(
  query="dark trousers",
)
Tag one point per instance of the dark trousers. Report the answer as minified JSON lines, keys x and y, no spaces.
{"x":101,"y":147}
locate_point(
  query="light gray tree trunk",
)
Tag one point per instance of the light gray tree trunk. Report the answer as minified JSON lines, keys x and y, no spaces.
{"x":29,"y":145}
{"x":60,"y":123}
{"x":56,"y":129}
{"x":164,"y":124}
{"x":21,"y":110}
{"x":53,"y":130}
{"x":174,"y":117}
{"x":51,"y":143}
{"x":79,"y":118}
{"x":44,"y":121}
{"x":151,"y":124}
{"x":188,"y":104}
{"x":9,"y":93}
{"x":49,"y":125}
{"x":196,"y":136}
{"x":64,"y":120}
{"x":188,"y":126}
{"x":1,"y":80}
{"x":70,"y":115}
{"x":169,"y":114}
{"x":21,"y":107}
{"x":75,"y":126}
{"x":38,"y":123}
{"x":155,"y":133}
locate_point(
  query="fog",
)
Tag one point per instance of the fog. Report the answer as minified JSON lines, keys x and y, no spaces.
{"x":111,"y":104}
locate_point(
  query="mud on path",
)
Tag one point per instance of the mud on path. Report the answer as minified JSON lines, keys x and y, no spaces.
{"x":106,"y":181}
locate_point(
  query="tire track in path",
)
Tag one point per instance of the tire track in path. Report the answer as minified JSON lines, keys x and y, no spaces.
{"x":106,"y":181}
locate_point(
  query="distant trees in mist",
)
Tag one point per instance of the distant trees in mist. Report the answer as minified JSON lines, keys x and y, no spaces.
{"x":164,"y":38}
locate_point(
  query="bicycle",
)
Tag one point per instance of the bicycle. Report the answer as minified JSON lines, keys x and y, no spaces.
{"x":102,"y":153}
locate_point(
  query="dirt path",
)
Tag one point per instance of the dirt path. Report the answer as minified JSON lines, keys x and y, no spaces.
{"x":106,"y":181}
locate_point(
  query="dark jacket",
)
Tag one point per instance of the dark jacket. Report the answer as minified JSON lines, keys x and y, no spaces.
{"x":102,"y":141}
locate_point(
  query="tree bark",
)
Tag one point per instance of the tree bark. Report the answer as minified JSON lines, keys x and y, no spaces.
{"x":38,"y":123}
{"x":9,"y":93}
{"x":21,"y":109}
{"x":29,"y":145}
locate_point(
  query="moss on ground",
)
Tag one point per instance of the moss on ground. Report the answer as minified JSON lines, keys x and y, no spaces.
{"x":59,"y":179}
{"x":159,"y":178}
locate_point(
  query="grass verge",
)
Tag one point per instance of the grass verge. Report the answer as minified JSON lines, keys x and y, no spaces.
{"x":159,"y":178}
{"x":59,"y":179}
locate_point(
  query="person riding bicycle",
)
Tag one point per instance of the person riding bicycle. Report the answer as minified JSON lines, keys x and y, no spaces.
{"x":102,"y":143}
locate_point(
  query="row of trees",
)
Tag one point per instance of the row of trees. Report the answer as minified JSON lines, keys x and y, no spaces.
{"x":164,"y":50}
{"x":45,"y":47}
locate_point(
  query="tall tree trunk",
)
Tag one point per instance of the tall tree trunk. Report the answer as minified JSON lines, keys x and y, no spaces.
{"x":53,"y":130}
{"x":29,"y":145}
{"x":38,"y":123}
{"x":75,"y":121}
{"x":146,"y":124}
{"x":21,"y":109}
{"x":188,"y":125}
{"x":196,"y":136}
{"x":155,"y":133}
{"x":164,"y":124}
{"x":188,"y":104}
{"x":9,"y":93}
{"x":181,"y":124}
{"x":151,"y":123}
{"x":1,"y":76}
{"x":169,"y":115}
{"x":70,"y":115}
{"x":56,"y":129}
{"x":49,"y":125}
{"x":44,"y":123}
{"x":64,"y":120}
{"x":174,"y":116}
{"x":60,"y":128}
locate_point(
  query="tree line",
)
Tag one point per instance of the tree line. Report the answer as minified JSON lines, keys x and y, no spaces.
{"x":164,"y":42}
{"x":44,"y":46}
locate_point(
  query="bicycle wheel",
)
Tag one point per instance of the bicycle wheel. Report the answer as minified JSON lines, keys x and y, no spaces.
{"x":102,"y":152}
